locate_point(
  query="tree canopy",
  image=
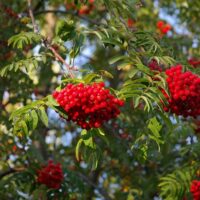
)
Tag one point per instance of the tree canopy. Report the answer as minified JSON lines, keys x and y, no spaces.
{"x":100,"y":99}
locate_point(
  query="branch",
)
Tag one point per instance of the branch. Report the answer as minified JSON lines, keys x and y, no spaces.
{"x":101,"y":190}
{"x":46,"y":43}
{"x":35,"y":28}
{"x":3,"y":107}
{"x":71,"y":13}
{"x":61,"y":60}
{"x":10,"y":171}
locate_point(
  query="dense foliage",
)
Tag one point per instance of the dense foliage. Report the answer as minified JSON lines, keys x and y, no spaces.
{"x":99,"y":99}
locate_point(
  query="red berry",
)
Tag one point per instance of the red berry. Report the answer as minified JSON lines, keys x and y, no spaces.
{"x":160,"y":24}
{"x":84,"y":10}
{"x":194,"y":62}
{"x":130,"y":22}
{"x":195,"y":189}
{"x":165,"y":29}
{"x":91,"y":1}
{"x":154,"y":66}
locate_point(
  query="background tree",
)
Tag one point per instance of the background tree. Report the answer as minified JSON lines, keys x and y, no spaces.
{"x":150,"y":150}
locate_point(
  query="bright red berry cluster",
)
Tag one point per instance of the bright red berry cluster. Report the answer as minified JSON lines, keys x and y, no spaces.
{"x":88,"y":105}
{"x":184,"y":88}
{"x":195,"y":189}
{"x":194,"y":62}
{"x":163,"y":28}
{"x":51,"y":175}
{"x":154,"y":66}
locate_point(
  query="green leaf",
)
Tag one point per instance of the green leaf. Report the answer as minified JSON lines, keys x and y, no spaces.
{"x":106,"y":74}
{"x":132,"y":73}
{"x":175,"y":185}
{"x":77,"y":150}
{"x":155,"y":128}
{"x":23,"y":39}
{"x":24,"y":127}
{"x":25,"y":65}
{"x":94,"y":157}
{"x":99,"y":132}
{"x":23,"y":110}
{"x":77,"y":43}
{"x":147,"y":103}
{"x":144,"y":69}
{"x":87,"y":137}
{"x":90,"y":77}
{"x":130,"y":197}
{"x":51,"y":102}
{"x":143,"y":150}
{"x":65,"y":29}
{"x":34,"y":119}
{"x":43,"y":116}
{"x":116,"y":59}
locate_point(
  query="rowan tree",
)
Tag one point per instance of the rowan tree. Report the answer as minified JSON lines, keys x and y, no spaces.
{"x":99,"y":99}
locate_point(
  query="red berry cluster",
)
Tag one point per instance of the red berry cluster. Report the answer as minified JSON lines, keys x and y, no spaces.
{"x":195,"y":189}
{"x":184,"y":88}
{"x":14,"y":148}
{"x":163,"y":28}
{"x":194,"y":62}
{"x":130,"y":23}
{"x":154,"y":66}
{"x":9,"y":11}
{"x":51,"y":175}
{"x":88,"y":105}
{"x":70,"y":6}
{"x":84,"y":9}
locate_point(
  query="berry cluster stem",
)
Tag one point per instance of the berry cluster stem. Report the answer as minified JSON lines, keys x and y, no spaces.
{"x":57,"y":55}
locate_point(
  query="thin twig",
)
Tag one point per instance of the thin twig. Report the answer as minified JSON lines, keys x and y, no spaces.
{"x":62,"y":60}
{"x":101,"y":190}
{"x":35,"y":28}
{"x":47,"y":43}
{"x":71,"y":13}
